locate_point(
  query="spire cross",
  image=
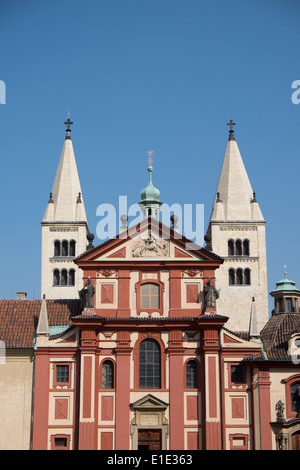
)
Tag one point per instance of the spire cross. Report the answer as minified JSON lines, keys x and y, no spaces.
{"x":150,"y":154}
{"x":231,"y":124}
{"x":68,"y":123}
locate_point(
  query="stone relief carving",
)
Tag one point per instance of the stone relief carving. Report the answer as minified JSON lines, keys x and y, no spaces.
{"x":150,"y":247}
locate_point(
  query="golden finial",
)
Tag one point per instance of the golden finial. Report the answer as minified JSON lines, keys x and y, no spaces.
{"x":285,"y":273}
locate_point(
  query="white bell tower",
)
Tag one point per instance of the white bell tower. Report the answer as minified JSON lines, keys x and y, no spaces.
{"x":236,"y":232}
{"x":64,"y":229}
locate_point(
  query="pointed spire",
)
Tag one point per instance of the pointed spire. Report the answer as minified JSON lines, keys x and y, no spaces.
{"x":253,"y":326}
{"x":66,"y":191}
{"x":43,"y":325}
{"x":234,"y":193}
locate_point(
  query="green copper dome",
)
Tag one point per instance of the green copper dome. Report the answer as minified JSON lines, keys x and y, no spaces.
{"x":150,"y":194}
{"x":286,"y":285}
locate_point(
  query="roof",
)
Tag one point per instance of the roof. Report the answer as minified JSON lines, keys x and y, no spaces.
{"x":275,"y":335}
{"x":285,"y":285}
{"x":234,"y":199}
{"x":158,"y":227}
{"x":19,"y":318}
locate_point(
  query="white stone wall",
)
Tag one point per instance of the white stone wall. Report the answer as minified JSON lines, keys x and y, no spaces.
{"x":235,"y":301}
{"x":50,"y":233}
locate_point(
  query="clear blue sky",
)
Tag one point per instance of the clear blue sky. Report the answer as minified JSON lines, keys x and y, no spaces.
{"x":141,"y":74}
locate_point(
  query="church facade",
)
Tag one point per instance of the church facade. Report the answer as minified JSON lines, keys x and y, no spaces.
{"x":144,"y":343}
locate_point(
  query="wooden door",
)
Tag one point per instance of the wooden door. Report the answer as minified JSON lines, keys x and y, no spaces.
{"x":296,"y":441}
{"x":149,"y":439}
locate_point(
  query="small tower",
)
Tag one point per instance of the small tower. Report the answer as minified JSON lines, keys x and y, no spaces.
{"x":286,"y":296}
{"x":64,"y":229}
{"x":236,"y":232}
{"x":150,"y":196}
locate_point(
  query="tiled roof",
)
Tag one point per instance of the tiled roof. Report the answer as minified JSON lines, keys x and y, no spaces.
{"x":275,"y":335}
{"x":19,"y":318}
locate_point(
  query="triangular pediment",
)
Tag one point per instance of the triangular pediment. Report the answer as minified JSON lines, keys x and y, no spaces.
{"x":149,"y":401}
{"x":150,"y":240}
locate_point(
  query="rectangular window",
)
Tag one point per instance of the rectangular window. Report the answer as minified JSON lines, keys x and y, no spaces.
{"x":62,"y":374}
{"x":237,"y":374}
{"x":150,"y":296}
{"x":61,"y":442}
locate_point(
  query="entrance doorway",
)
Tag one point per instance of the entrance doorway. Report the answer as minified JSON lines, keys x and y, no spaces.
{"x":296,"y":441}
{"x":149,"y":439}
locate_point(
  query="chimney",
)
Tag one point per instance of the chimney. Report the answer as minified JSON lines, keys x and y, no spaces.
{"x":21,"y":295}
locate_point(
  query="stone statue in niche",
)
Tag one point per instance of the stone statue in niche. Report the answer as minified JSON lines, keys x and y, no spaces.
{"x":211,"y":294}
{"x":88,"y":291}
{"x":150,"y":247}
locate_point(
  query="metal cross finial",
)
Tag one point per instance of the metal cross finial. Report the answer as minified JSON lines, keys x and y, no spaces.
{"x":150,"y":154}
{"x":231,"y":124}
{"x":68,"y":123}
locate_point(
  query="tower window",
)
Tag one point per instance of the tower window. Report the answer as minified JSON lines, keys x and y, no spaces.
{"x":72,"y":277}
{"x":191,"y":374}
{"x":57,"y":248}
{"x":56,"y":277}
{"x":289,"y":305}
{"x":72,"y":248}
{"x":231,"y":277}
{"x":238,"y":248}
{"x":239,"y":277}
{"x":246,"y":247}
{"x":64,"y":249}
{"x":64,"y":278}
{"x":247,"y":277}
{"x":230,"y":247}
{"x":149,"y":364}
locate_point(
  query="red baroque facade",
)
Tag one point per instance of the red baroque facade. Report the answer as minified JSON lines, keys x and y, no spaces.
{"x":148,"y":364}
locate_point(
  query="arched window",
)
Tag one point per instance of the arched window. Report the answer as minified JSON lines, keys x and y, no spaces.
{"x":246,"y":250}
{"x":72,"y":248}
{"x":238,"y":248}
{"x":56,"y":277}
{"x":64,"y":249}
{"x":230,"y":248}
{"x":57,"y":248}
{"x":295,"y":396}
{"x":231,"y":274}
{"x":107,"y":374}
{"x":239,"y":276}
{"x":72,"y":277}
{"x":247,"y":279}
{"x":149,"y":364}
{"x":150,"y":295}
{"x":64,"y":278}
{"x":191,"y":374}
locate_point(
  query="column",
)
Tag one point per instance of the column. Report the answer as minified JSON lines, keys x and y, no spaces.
{"x":123,"y":358}
{"x":212,"y":397}
{"x":87,"y":419}
{"x":264,"y":386}
{"x":41,"y":401}
{"x":176,"y":378}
